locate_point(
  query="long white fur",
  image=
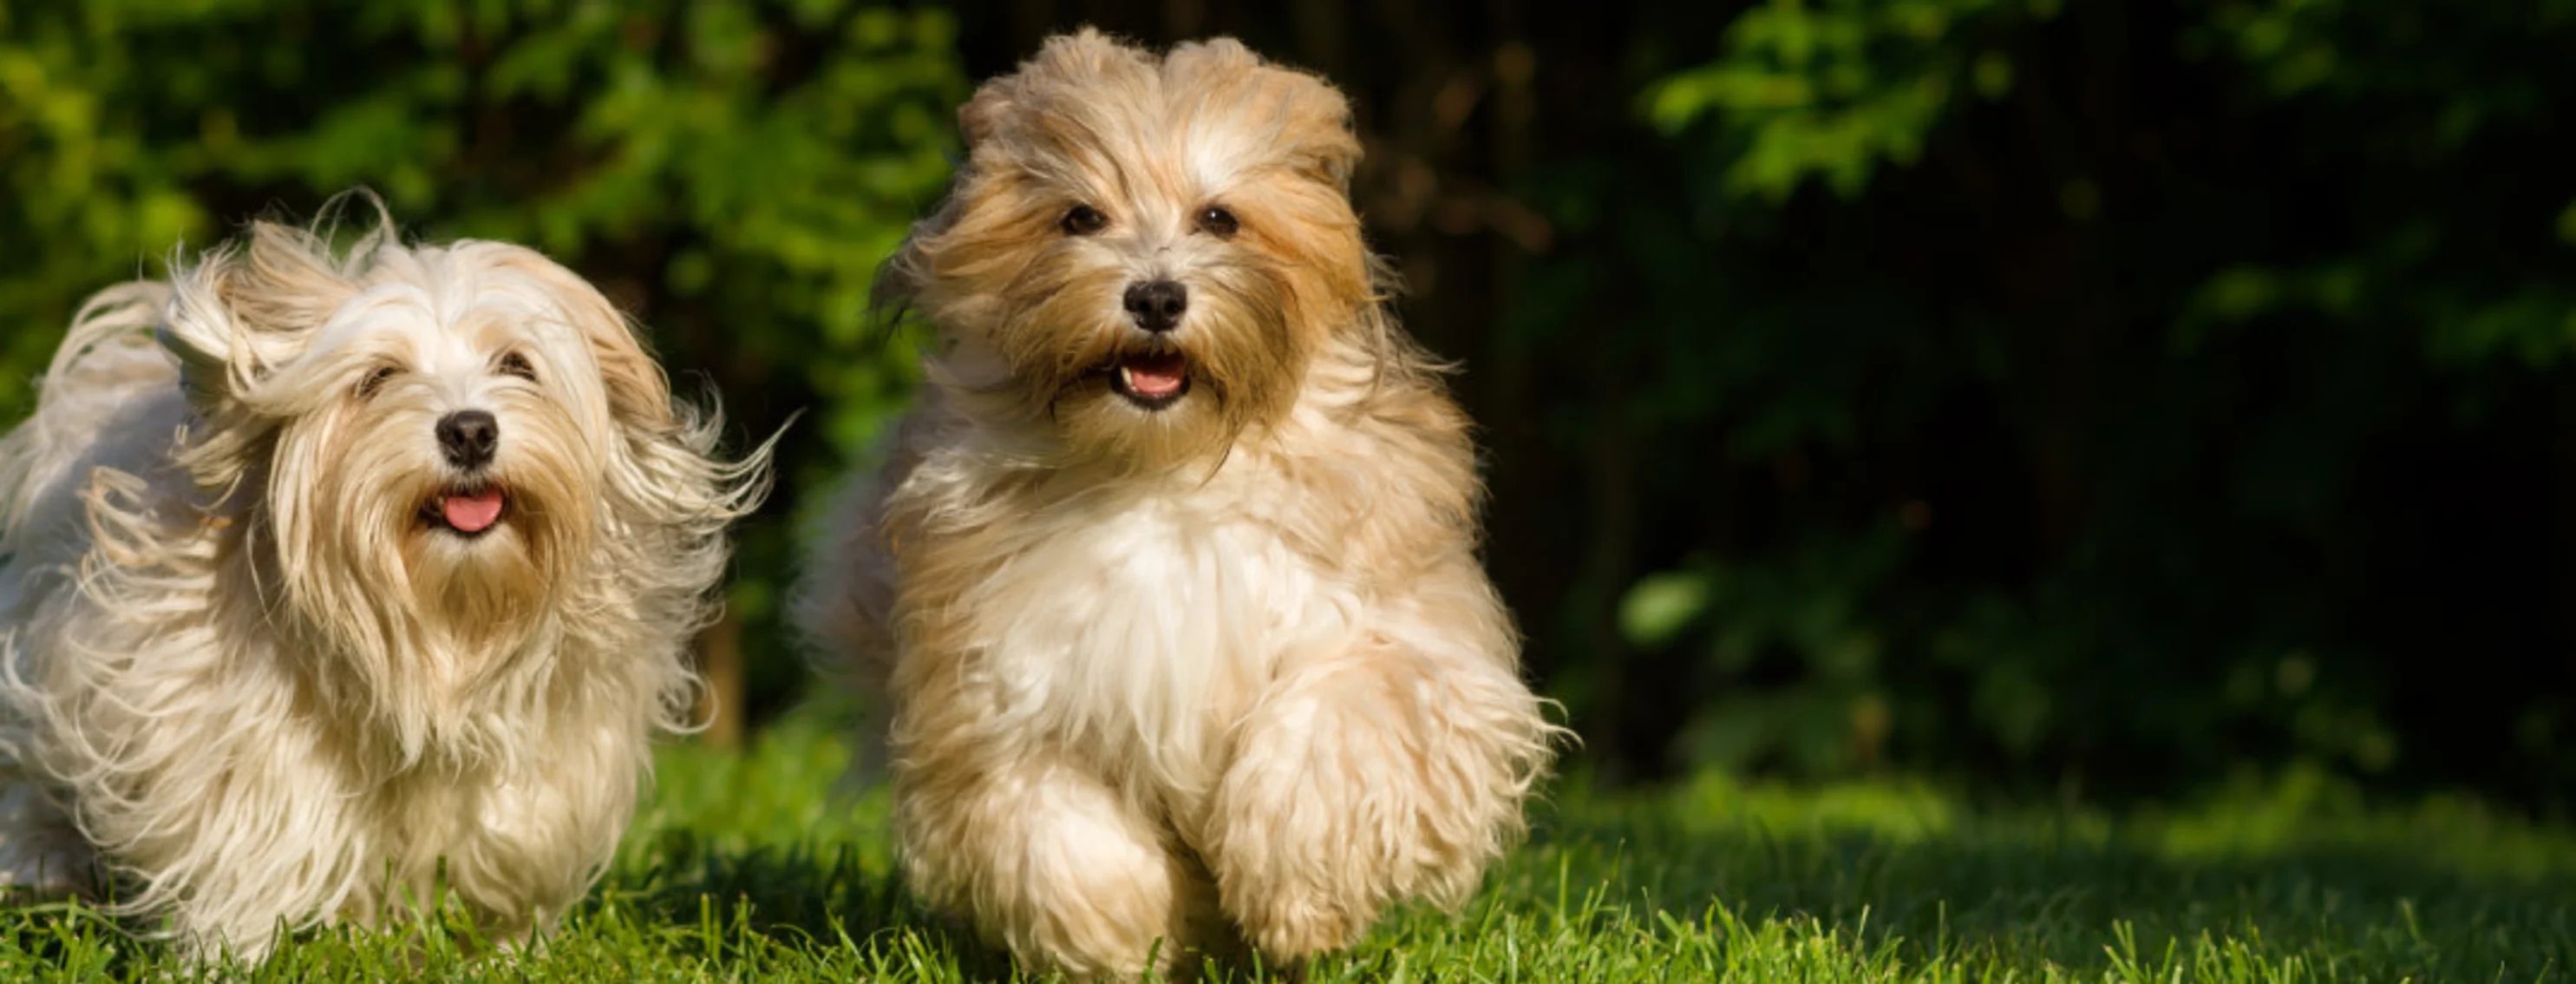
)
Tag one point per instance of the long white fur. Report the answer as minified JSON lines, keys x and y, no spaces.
{"x":241,"y":681}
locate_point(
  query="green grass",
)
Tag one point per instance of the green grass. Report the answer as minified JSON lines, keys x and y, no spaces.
{"x":758,"y":868}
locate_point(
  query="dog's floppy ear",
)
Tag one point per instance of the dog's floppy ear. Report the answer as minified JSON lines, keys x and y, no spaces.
{"x":668,"y":468}
{"x":1083,"y":61}
{"x":250,"y":305}
{"x":639,"y":396}
{"x":981,"y":117}
{"x":1310,"y":121}
{"x":1327,"y":149}
{"x":638,"y":393}
{"x":287,"y":283}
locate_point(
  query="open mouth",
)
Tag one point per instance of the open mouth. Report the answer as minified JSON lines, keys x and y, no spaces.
{"x":467,"y":511}
{"x":1151,"y":379}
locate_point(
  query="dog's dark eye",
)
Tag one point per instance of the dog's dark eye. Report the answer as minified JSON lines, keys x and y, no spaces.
{"x":1084,"y":220}
{"x":376,"y":380}
{"x":1216,"y":221}
{"x":518,"y":365}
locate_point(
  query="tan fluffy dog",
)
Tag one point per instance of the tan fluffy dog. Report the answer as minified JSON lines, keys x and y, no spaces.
{"x":1170,"y":580}
{"x":324,"y":576}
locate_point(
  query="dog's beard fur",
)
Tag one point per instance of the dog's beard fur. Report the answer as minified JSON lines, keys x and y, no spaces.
{"x":1214,"y":669}
{"x":1241,"y":356}
{"x":410,"y":615}
{"x":285,"y":683}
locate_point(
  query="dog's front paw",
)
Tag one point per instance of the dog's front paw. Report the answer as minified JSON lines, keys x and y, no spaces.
{"x":1293,"y":926}
{"x":1382,"y":775}
{"x":1314,"y":829}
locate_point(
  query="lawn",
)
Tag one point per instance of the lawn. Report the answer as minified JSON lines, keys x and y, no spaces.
{"x":755,"y":867}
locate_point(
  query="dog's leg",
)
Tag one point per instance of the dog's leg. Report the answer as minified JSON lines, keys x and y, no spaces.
{"x":1391,"y":770}
{"x":42,"y":855}
{"x":1056,"y":864}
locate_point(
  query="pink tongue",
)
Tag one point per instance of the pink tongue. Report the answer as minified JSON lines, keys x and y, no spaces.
{"x":472,"y":513}
{"x":1155,"y":376}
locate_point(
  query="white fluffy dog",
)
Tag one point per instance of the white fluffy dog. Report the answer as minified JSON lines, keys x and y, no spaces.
{"x":325,"y":577}
{"x":1171,"y":579}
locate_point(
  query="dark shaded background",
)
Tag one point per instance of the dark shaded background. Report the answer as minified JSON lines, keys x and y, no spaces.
{"x":2094,"y":398}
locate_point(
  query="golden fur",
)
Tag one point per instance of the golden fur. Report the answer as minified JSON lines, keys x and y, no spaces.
{"x":247,"y":673}
{"x":1222,"y":671}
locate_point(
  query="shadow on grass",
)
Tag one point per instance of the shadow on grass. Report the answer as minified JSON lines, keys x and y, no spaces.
{"x":1903,"y":886}
{"x":2030,"y":892}
{"x":827,"y":897}
{"x":2387,"y":898}
{"x":699,"y":906}
{"x":808,"y":896}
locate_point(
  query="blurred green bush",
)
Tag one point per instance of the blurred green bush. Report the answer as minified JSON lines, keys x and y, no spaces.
{"x":2105,"y":392}
{"x":731,"y":174}
{"x":2082,"y":395}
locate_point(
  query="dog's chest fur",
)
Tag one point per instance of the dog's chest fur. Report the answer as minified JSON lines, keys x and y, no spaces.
{"x":1133,"y":625}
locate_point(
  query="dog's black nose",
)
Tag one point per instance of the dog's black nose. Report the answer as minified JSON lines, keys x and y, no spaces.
{"x":468,"y":437}
{"x":1157,"y":305}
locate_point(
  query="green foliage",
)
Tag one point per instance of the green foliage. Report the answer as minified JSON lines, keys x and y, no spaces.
{"x":2105,"y":394}
{"x":732,"y":174}
{"x":2433,"y":109}
{"x":2071,"y":394}
{"x":1836,"y":89}
{"x":751,"y":868}
{"x":1808,"y":608}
